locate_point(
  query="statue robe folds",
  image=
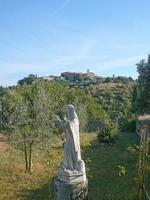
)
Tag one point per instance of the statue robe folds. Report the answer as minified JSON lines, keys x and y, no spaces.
{"x":72,"y":168}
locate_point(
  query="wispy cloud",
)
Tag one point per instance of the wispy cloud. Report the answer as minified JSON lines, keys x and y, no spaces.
{"x":122,"y":66}
{"x":59,"y":9}
{"x":12,"y":71}
{"x":84,"y":54}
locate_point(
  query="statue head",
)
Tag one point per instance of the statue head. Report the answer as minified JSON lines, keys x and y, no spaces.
{"x":71,"y":114}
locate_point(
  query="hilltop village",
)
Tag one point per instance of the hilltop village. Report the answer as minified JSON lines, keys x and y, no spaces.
{"x":77,"y":79}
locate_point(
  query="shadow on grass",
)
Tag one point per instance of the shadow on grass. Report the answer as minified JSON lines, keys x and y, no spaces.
{"x":102,"y":162}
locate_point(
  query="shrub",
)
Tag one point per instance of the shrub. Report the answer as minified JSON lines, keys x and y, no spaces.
{"x":130,"y":124}
{"x":107,"y":132}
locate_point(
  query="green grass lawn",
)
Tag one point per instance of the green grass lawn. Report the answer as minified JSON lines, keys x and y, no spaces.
{"x":102,"y":171}
{"x":104,"y":180}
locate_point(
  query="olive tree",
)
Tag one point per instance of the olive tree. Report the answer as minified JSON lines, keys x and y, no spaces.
{"x":30,"y":116}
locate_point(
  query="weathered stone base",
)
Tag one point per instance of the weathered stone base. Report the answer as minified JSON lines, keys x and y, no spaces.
{"x":72,"y":178}
{"x":70,"y":191}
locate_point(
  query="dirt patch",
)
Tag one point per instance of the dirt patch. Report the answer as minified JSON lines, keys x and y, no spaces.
{"x":3,"y":145}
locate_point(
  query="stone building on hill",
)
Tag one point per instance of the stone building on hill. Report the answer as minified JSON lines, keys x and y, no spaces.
{"x":52,"y":78}
{"x":71,"y":76}
{"x":89,"y":74}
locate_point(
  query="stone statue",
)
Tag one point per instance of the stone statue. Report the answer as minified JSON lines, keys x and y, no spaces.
{"x":72,"y":169}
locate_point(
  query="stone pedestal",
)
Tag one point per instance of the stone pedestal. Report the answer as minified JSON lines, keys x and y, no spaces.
{"x":70,"y":191}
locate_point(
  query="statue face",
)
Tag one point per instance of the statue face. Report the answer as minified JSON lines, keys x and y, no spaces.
{"x":70,"y":111}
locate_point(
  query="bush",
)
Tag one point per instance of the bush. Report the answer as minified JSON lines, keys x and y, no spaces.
{"x":107,"y":132}
{"x":130,"y":124}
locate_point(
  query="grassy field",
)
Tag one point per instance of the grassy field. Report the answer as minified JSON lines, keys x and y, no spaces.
{"x":104,"y":180}
{"x":101,"y":162}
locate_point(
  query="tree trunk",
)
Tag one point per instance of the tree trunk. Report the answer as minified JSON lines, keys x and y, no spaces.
{"x":30,"y":157}
{"x":26,"y":155}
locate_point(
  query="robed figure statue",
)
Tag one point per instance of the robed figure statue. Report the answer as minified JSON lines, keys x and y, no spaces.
{"x":72,"y":169}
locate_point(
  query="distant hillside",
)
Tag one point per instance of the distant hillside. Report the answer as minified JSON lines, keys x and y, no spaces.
{"x":111,"y":89}
{"x":76,"y":79}
{"x":116,"y":99}
{"x":113,"y":94}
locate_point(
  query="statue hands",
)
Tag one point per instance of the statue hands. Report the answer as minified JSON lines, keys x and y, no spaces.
{"x":61,"y":122}
{"x":69,"y":172}
{"x":57,"y":118}
{"x":64,"y":170}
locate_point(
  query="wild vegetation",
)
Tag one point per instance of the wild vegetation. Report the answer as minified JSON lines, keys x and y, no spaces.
{"x":33,"y":147}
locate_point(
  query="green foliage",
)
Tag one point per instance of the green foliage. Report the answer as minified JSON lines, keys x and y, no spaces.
{"x":28,"y":80}
{"x":107,"y":131}
{"x":143,"y":86}
{"x":2,"y":91}
{"x":30,"y":116}
{"x":118,"y":79}
{"x":88,"y":110}
{"x":130,"y":123}
{"x":29,"y":110}
{"x":143,"y":176}
{"x":122,"y":170}
{"x":116,"y":100}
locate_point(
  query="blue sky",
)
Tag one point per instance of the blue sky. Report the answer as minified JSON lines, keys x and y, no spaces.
{"x":51,"y":36}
